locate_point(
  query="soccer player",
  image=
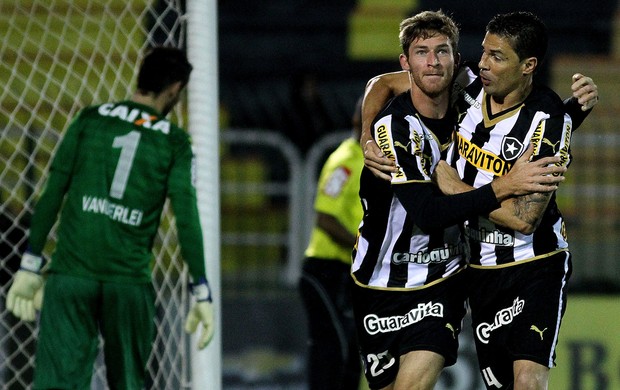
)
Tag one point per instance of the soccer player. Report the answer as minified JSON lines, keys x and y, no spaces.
{"x":519,"y":262}
{"x":519,"y":256}
{"x":325,"y":284}
{"x":109,"y":179}
{"x":409,"y":299}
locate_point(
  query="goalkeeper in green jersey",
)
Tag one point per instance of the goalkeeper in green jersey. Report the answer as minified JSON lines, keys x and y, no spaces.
{"x":109,"y":179}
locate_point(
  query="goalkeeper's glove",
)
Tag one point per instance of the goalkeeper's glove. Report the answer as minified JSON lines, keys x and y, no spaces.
{"x":201,"y":313}
{"x":26,"y":294}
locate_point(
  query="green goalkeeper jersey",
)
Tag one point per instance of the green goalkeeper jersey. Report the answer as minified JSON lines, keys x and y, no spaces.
{"x":113,"y":170}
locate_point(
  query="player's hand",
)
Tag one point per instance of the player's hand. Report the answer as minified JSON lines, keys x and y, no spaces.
{"x":26,"y":293}
{"x":201,"y":313}
{"x":448,"y":180}
{"x":527,"y":177}
{"x":21,"y":297}
{"x":585,"y":91}
{"x":374,"y":159}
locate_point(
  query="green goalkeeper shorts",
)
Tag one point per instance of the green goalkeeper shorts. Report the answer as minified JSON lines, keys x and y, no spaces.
{"x":75,"y":312}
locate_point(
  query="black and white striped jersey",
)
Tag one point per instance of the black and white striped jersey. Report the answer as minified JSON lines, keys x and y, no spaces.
{"x":487,"y":145}
{"x":392,"y":251}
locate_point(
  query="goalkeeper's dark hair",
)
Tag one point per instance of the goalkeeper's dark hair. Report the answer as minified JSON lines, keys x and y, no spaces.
{"x":161,"y":67}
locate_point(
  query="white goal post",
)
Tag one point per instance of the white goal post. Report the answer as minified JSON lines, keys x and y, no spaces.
{"x":58,"y":57}
{"x":203,"y":105}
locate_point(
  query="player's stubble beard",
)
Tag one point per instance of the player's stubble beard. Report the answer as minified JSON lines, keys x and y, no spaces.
{"x":436,"y":88}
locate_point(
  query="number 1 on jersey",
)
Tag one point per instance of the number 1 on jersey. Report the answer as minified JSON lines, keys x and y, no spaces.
{"x":128,"y":144}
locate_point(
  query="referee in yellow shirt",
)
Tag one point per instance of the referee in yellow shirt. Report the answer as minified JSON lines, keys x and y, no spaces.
{"x":325,"y":285}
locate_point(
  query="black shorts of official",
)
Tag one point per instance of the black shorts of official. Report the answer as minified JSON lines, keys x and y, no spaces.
{"x":392,"y":323}
{"x":516,"y":314}
{"x":333,"y":359}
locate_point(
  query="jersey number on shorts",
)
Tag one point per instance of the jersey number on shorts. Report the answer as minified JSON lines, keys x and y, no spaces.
{"x":380,"y":362}
{"x":128,"y":144}
{"x":490,"y":378}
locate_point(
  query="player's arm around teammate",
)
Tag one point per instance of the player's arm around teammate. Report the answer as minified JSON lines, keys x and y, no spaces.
{"x":381,"y":87}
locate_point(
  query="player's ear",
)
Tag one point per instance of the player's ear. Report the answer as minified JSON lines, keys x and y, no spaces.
{"x":173,"y":90}
{"x":177,"y":87}
{"x":529,"y":65}
{"x":404,"y":64}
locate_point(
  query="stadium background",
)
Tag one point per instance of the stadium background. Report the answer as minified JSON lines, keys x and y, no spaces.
{"x":290,"y":72}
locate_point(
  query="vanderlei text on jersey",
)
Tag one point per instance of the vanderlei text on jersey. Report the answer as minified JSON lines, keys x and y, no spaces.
{"x":115,"y":212}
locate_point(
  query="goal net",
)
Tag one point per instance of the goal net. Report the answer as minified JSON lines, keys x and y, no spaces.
{"x":59,"y":56}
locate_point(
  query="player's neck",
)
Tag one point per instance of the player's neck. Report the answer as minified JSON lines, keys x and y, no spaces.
{"x":513,"y":98}
{"x":147,"y":99}
{"x":434,"y":107}
{"x":156,"y":101}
